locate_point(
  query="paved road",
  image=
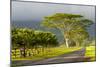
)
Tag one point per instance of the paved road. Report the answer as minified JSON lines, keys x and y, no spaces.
{"x":76,"y":56}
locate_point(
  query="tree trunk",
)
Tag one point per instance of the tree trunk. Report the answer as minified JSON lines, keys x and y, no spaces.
{"x":77,"y":43}
{"x":15,"y":52}
{"x":66,"y":39}
{"x":66,"y":42}
{"x":24,"y":51}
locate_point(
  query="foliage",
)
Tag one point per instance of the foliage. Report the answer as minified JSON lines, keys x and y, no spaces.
{"x":70,"y":25}
{"x":25,"y":38}
{"x":30,"y":38}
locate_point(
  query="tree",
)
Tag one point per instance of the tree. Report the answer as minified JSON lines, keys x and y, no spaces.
{"x":66,"y":23}
{"x":28,"y":38}
{"x":45,"y":39}
{"x":79,"y":36}
{"x":22,"y":38}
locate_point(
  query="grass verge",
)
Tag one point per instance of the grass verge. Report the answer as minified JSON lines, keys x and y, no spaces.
{"x":49,"y":53}
{"x":90,"y":52}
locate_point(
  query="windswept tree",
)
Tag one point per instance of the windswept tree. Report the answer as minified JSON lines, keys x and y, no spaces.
{"x":45,"y":39}
{"x":25,"y":38}
{"x":22,"y":38}
{"x":66,"y":23}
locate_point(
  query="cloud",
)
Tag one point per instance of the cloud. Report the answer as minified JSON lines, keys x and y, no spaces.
{"x":36,"y":11}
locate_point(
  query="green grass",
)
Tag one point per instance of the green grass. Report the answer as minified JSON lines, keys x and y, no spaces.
{"x":90,"y":52}
{"x":49,"y":52}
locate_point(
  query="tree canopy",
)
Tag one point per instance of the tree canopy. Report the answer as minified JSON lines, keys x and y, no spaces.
{"x":68,"y":24}
{"x":29,"y":38}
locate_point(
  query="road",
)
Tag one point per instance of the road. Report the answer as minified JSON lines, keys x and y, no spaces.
{"x":76,"y":56}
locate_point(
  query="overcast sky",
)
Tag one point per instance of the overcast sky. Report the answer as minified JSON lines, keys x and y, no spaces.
{"x":32,"y":11}
{"x":31,"y":14}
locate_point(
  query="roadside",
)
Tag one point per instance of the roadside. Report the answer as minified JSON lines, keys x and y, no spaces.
{"x":75,"y":56}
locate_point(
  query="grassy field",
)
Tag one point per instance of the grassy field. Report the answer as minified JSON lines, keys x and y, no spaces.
{"x":90,"y":52}
{"x":48,"y":53}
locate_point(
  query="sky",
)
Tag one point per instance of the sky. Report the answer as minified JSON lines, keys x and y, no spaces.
{"x":31,"y":14}
{"x":26,"y":11}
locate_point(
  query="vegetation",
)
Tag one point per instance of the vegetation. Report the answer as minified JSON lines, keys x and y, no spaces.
{"x":30,"y":44}
{"x":47,"y":53}
{"x":70,"y":25}
{"x":90,"y":52}
{"x":27,"y":38}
